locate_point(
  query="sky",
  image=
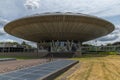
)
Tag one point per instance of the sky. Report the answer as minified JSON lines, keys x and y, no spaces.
{"x":106,"y":9}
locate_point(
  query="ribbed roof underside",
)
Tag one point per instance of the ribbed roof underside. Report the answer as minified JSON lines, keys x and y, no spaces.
{"x":59,"y":27}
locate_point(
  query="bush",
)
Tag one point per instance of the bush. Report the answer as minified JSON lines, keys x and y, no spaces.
{"x":108,"y":53}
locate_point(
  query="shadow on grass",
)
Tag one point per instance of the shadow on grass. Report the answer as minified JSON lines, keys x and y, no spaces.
{"x":93,"y":55}
{"x":88,"y":55}
{"x":98,"y":54}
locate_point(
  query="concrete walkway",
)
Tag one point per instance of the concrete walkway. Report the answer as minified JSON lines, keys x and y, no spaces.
{"x":45,"y":71}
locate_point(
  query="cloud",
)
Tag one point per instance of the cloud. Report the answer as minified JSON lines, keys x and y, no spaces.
{"x":114,"y":36}
{"x":3,"y":22}
{"x":32,"y":4}
{"x":2,"y":32}
{"x":102,"y":8}
{"x":7,"y":40}
{"x":116,"y":31}
{"x":31,"y":43}
{"x":106,"y":9}
{"x":109,"y":38}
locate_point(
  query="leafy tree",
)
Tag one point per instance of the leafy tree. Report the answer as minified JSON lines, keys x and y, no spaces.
{"x":26,"y":45}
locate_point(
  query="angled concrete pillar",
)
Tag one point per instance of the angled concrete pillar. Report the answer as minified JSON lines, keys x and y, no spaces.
{"x":78,"y":52}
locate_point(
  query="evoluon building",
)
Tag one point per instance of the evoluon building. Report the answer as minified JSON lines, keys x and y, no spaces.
{"x":59,"y":32}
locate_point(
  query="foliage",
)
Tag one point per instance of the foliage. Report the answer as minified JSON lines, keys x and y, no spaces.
{"x":87,"y":45}
{"x":109,"y":53}
{"x":26,"y":45}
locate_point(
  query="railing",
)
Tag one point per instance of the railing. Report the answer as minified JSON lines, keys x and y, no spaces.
{"x":83,"y":49}
{"x":100,"y":48}
{"x":16,"y":49}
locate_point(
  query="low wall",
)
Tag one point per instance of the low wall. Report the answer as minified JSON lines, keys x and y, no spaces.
{"x":53,"y":75}
{"x":23,"y":54}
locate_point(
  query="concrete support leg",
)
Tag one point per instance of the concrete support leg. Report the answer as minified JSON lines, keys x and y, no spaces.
{"x":79,"y":51}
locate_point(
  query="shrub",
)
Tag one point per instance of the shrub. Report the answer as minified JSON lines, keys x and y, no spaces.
{"x":108,"y":53}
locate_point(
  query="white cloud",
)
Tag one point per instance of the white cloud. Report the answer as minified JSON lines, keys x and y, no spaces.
{"x":30,"y":43}
{"x":2,"y":32}
{"x":100,"y":8}
{"x":3,"y":22}
{"x":32,"y":4}
{"x":103,"y":8}
{"x":7,"y":40}
{"x":110,"y":37}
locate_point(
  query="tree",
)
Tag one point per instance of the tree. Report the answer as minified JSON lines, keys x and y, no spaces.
{"x":24,"y":44}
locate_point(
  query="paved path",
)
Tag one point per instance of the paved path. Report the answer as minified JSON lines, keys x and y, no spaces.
{"x":6,"y":66}
{"x":39,"y":72}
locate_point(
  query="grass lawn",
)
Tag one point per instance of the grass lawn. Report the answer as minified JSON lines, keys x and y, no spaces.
{"x":94,"y":67}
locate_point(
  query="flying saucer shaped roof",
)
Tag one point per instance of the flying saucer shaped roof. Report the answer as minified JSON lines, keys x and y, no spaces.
{"x":59,"y":26}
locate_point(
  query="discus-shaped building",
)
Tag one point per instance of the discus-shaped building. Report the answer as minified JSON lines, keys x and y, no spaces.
{"x":59,"y":31}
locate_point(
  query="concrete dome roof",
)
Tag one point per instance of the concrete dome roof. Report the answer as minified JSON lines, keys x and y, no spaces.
{"x":59,"y":26}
